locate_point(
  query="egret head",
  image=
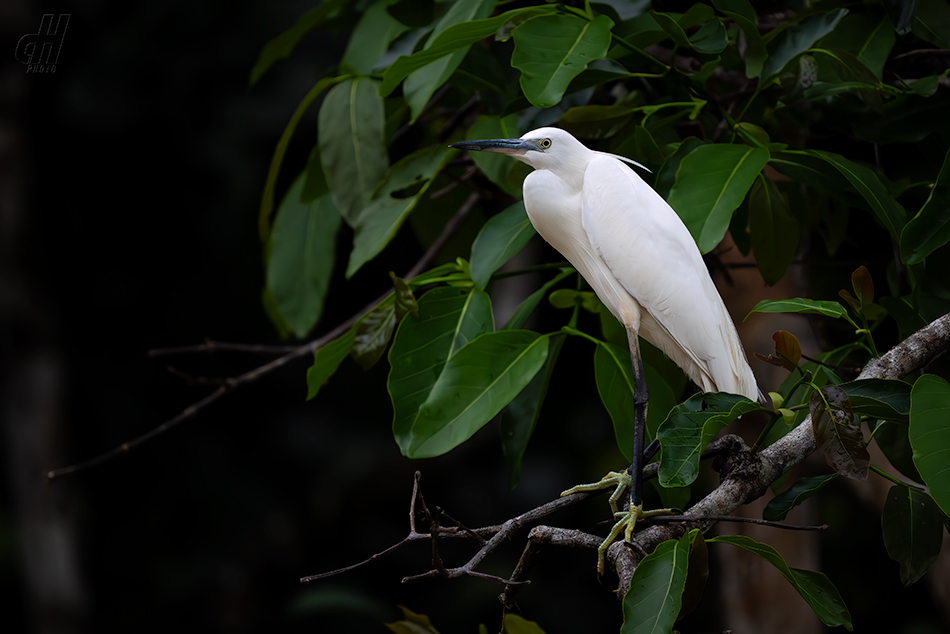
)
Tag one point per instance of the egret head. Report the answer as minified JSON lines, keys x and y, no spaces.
{"x":544,"y":148}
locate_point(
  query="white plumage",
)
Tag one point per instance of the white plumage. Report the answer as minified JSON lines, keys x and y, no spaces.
{"x":636,"y":254}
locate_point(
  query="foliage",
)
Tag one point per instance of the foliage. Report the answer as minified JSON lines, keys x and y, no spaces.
{"x":826,"y":128}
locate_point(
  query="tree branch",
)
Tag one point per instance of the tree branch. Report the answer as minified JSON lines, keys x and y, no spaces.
{"x":230,"y":384}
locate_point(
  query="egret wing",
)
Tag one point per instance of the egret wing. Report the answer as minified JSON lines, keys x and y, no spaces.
{"x":651,"y":253}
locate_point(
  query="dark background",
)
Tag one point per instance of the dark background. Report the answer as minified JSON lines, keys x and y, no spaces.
{"x":131,"y":182}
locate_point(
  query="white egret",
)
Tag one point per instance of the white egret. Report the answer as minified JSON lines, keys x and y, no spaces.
{"x":643,"y":264}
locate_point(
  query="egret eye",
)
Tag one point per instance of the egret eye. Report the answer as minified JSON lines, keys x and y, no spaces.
{"x":544,"y":144}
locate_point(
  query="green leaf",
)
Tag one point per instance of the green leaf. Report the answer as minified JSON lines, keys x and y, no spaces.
{"x":375,"y":31}
{"x":613,"y":371}
{"x":669,"y":24}
{"x":913,"y":531}
{"x":930,"y":435}
{"x":666,"y":176}
{"x":522,"y":413}
{"x":495,"y":166}
{"x":351,"y":144}
{"x":314,"y":182}
{"x":420,"y":85}
{"x":710,"y":38}
{"x":448,"y":319}
{"x":474,"y":386}
{"x":906,"y":119}
{"x":711,"y":182}
{"x":389,"y":208}
{"x":689,"y":428}
{"x":327,"y":359}
{"x":798,"y":38}
{"x":550,"y":51}
{"x":283,"y":45}
{"x":932,"y":22}
{"x":892,"y":439}
{"x":656,"y":589}
{"x":813,"y":586}
{"x":502,"y":237}
{"x":515,"y":624}
{"x":302,"y":251}
{"x":930,"y":228}
{"x":801,"y":305}
{"x":867,"y":37}
{"x":889,"y":213}
{"x":779,"y":507}
{"x":525,"y":308}
{"x":879,"y":398}
{"x":697,"y":573}
{"x":742,"y":13}
{"x":774,"y":230}
{"x":267,"y":198}
{"x":452,"y":39}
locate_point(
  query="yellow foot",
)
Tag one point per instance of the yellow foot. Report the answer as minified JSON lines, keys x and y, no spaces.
{"x":620,"y":480}
{"x":626,"y":523}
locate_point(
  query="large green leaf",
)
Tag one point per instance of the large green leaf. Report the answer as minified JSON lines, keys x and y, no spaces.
{"x":778,"y":507}
{"x":666,"y":175}
{"x":302,"y":251}
{"x":448,"y":319}
{"x":814,"y":587}
{"x":597,"y":122}
{"x":525,"y":308}
{"x":267,"y":198}
{"x":495,"y":166}
{"x":930,"y":435}
{"x":522,"y":413}
{"x":798,"y":38}
{"x":351,"y":144}
{"x":710,"y":38}
{"x":420,"y":85}
{"x":283,"y":45}
{"x":893,"y":440}
{"x":327,"y":359}
{"x":742,"y":13}
{"x":550,"y":51}
{"x":499,"y":240}
{"x":515,"y":624}
{"x":913,"y":531}
{"x":879,"y":398}
{"x":384,"y":215}
{"x":932,"y":22}
{"x":711,"y":182}
{"x":888,"y":211}
{"x":868,"y":37}
{"x":656,"y":589}
{"x":930,"y":228}
{"x":474,"y":386}
{"x":774,"y":230}
{"x":375,"y":31}
{"x":689,"y":428}
{"x":455,"y":37}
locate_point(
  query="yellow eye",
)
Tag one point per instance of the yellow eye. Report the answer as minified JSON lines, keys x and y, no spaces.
{"x":544,"y":144}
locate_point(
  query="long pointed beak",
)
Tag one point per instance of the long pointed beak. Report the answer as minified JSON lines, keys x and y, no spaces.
{"x":502,"y":146}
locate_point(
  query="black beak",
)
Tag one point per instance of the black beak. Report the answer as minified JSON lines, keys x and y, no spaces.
{"x":502,"y":146}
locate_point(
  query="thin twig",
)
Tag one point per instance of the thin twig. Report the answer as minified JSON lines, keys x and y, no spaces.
{"x":191,"y":379}
{"x":851,"y":370}
{"x":451,"y":227}
{"x":222,"y":346}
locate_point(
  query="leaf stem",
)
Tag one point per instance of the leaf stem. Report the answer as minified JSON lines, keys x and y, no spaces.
{"x":888,"y":476}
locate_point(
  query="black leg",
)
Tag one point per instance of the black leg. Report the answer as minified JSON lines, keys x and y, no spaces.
{"x":640,"y":398}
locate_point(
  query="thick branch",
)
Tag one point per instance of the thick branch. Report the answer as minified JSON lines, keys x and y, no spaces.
{"x":746,"y":476}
